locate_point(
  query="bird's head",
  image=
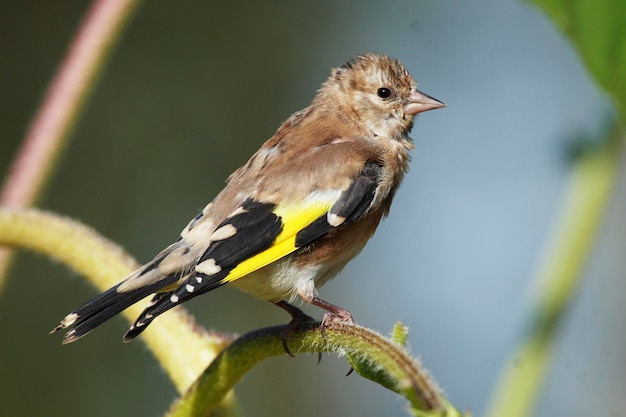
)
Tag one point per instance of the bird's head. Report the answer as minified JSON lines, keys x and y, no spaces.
{"x":379,"y":92}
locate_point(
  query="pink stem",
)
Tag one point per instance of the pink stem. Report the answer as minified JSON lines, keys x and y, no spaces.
{"x":63,"y":101}
{"x":61,"y":106}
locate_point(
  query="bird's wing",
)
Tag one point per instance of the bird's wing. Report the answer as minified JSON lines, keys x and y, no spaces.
{"x":250,"y":235}
{"x":257,"y":234}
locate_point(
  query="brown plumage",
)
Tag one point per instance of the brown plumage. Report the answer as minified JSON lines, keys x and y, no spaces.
{"x":303,"y":205}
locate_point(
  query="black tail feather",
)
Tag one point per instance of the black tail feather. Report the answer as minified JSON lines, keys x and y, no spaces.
{"x":145,"y":318}
{"x":163,"y":302}
{"x":104,"y":306}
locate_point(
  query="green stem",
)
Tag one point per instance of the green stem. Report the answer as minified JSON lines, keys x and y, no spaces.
{"x":178,"y":343}
{"x":184,"y":351}
{"x":581,"y":216}
{"x":370,"y":354}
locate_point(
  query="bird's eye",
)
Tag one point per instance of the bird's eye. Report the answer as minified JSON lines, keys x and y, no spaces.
{"x":383,"y":92}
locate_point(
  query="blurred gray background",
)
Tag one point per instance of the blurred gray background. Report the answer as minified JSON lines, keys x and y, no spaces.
{"x":195,"y":87}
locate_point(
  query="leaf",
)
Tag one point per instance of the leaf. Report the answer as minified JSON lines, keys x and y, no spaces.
{"x":598,"y":30}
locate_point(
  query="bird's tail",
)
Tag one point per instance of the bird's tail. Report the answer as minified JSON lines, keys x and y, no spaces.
{"x":156,"y":276}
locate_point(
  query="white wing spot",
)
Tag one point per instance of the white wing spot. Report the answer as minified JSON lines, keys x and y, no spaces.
{"x":224,"y":232}
{"x":335,"y":220}
{"x":237,"y":211}
{"x":198,"y":279}
{"x":208,"y":267}
{"x":174,"y":298}
{"x":152,"y":302}
{"x":189,"y":288}
{"x":68,"y":320}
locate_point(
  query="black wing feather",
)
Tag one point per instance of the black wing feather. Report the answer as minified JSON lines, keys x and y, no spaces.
{"x":351,"y":205}
{"x":257,"y":228}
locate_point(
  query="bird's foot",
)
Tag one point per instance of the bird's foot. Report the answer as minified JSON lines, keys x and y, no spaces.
{"x":299,"y":321}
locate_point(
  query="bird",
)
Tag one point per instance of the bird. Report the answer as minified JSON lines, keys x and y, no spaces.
{"x":296,"y":212}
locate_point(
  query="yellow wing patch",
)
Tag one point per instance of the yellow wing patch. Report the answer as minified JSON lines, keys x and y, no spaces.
{"x":295,"y":217}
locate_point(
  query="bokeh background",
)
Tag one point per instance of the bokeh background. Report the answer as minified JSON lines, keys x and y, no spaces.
{"x":194,"y":88}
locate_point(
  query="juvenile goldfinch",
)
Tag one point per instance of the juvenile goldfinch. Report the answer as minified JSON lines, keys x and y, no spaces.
{"x":293,"y":216}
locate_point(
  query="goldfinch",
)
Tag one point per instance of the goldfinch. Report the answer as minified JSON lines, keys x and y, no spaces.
{"x":292,"y":217}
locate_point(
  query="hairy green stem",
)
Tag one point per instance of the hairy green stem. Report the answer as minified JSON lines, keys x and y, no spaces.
{"x":185,"y":351}
{"x":370,"y":354}
{"x":178,"y":343}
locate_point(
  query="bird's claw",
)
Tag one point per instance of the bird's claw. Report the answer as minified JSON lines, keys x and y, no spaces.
{"x":342,"y":316}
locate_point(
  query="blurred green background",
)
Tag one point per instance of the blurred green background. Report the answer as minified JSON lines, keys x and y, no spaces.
{"x":195,"y":87}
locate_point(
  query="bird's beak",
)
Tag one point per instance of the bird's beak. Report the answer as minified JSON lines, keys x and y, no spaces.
{"x":419,"y":102}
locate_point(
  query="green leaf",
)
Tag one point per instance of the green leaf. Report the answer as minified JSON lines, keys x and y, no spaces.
{"x":598,"y":30}
{"x":400,"y":334}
